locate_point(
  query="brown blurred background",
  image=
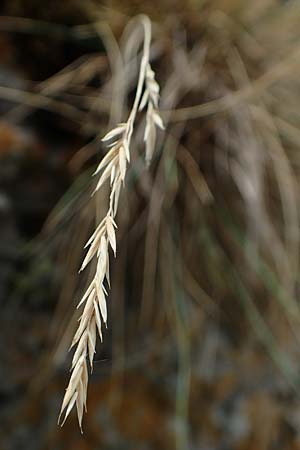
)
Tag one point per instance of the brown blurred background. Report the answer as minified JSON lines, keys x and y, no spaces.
{"x":202,"y":346}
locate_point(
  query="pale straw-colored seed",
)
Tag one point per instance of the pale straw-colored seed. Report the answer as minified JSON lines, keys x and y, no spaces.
{"x":113,"y":167}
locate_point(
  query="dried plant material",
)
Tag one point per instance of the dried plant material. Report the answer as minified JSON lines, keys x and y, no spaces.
{"x":113,"y":167}
{"x":153,"y":119}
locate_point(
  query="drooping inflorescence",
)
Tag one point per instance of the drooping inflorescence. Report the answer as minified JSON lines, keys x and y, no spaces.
{"x":113,"y":167}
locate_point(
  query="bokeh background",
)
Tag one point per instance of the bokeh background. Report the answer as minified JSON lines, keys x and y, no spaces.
{"x":202,"y":346}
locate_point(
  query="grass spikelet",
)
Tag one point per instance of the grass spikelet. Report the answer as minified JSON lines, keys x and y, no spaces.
{"x":114,"y":167}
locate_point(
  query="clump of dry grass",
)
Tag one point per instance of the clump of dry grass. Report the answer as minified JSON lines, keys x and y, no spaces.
{"x":113,"y":167}
{"x":233,"y":136}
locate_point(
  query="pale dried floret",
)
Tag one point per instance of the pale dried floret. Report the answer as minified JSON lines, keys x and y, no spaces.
{"x":113,"y":167}
{"x":150,"y":100}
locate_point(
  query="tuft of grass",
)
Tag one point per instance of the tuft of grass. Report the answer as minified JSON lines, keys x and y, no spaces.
{"x":231,"y":156}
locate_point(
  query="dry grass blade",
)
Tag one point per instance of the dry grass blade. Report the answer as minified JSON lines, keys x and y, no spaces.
{"x":113,"y":167}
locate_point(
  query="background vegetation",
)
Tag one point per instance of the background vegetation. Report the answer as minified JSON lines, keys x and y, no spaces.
{"x":202,"y":346}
